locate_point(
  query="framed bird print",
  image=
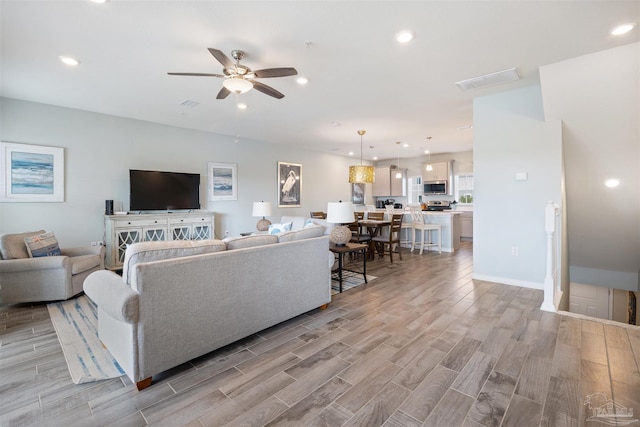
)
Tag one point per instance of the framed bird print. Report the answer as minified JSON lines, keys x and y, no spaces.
{"x":289,"y":184}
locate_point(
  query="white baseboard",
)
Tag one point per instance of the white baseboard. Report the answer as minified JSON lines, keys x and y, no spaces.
{"x":508,"y":281}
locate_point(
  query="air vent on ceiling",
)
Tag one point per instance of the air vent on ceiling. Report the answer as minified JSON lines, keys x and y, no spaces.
{"x":189,"y":103}
{"x":504,"y":76}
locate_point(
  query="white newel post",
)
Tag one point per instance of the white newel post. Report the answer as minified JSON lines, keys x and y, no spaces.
{"x":549,"y":282}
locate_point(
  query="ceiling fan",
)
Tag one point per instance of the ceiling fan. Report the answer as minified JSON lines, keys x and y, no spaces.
{"x":240,"y":78}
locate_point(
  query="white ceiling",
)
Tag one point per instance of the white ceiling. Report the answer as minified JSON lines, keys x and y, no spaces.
{"x":359,"y":76}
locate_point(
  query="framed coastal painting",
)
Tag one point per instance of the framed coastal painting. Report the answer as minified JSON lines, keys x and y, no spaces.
{"x":289,"y":185}
{"x":357,"y":193}
{"x":222,"y":181}
{"x":31,"y":173}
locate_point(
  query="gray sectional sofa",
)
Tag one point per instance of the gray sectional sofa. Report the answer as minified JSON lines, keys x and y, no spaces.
{"x":178,"y":300}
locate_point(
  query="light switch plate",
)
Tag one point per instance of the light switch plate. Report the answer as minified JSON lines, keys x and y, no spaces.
{"x":521,"y":176}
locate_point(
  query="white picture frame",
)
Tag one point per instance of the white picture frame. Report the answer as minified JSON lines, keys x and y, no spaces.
{"x":31,"y":173}
{"x":222,"y":181}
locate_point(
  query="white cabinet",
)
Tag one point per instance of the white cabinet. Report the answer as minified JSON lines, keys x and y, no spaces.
{"x":466,"y":224}
{"x":123,"y":230}
{"x":386,"y":184}
{"x":440,"y":172}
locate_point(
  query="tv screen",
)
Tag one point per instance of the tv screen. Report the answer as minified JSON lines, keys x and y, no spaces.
{"x":151,"y":190}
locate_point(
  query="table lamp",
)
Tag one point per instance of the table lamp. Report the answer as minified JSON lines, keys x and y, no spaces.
{"x":340,"y":213}
{"x":262,"y":209}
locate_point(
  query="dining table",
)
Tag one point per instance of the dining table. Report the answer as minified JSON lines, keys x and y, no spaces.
{"x":374,"y":228}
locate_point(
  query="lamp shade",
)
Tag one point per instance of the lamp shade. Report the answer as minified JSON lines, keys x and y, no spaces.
{"x":361,"y":174}
{"x":261,"y":209}
{"x":237,"y":84}
{"x":340,"y":213}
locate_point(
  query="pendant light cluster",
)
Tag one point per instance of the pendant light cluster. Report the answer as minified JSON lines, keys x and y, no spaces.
{"x":399,"y":173}
{"x":361,"y":174}
{"x":429,"y":166}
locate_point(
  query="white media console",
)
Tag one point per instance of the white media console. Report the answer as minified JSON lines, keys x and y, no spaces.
{"x":123,"y":230}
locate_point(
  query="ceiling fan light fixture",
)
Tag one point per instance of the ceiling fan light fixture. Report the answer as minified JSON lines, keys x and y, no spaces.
{"x":237,"y":85}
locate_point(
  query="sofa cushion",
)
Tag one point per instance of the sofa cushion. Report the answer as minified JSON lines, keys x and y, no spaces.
{"x":12,"y":246}
{"x":321,"y":222}
{"x":250,"y":241}
{"x":156,"y":251}
{"x":297,"y":222}
{"x":304,"y":233}
{"x":44,"y":244}
{"x":279,"y":227}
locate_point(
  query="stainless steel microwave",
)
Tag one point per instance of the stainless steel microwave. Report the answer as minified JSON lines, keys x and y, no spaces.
{"x":437,"y":187}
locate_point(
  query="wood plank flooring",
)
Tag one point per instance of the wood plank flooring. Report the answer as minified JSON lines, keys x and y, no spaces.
{"x":421,"y":345}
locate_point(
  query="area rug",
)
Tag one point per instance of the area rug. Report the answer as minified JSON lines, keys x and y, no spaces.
{"x":349,"y":280}
{"x":76,"y":324}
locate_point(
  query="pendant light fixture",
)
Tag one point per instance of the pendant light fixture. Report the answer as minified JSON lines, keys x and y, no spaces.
{"x":429,"y":166}
{"x":361,"y":174}
{"x":399,"y":173}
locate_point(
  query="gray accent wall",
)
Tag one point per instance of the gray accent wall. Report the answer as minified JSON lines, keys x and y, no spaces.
{"x":100,"y":149}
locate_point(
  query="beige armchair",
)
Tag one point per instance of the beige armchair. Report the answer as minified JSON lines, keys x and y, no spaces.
{"x":52,"y":278}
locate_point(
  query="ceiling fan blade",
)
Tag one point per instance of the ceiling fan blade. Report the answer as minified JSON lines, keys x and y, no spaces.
{"x":268,"y":90}
{"x":197,"y":74}
{"x":276,"y":72}
{"x":221,"y":57}
{"x":224,"y":92}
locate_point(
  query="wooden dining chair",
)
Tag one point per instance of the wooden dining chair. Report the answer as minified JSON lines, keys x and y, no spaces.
{"x":375,"y":216}
{"x":392,"y":239}
{"x":320,"y":215}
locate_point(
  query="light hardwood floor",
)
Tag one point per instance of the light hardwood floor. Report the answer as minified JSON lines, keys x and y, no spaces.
{"x":422,"y":344}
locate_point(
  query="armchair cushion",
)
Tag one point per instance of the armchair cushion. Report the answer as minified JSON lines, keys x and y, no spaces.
{"x":83,"y":263}
{"x":44,"y":244}
{"x":12,"y":246}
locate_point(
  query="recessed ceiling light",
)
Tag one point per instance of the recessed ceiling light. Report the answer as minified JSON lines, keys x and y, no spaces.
{"x":67,"y":60}
{"x":612,"y":183}
{"x":242,"y":106}
{"x":622,"y":29}
{"x":302,"y":80}
{"x":426,"y":151}
{"x":351,"y":153}
{"x":404,"y":36}
{"x":99,"y":1}
{"x":375,"y":157}
{"x":405,"y":145}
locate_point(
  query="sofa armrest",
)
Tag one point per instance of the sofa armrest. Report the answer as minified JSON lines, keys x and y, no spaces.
{"x":30,"y":264}
{"x":83,"y":250}
{"x":112,"y":295}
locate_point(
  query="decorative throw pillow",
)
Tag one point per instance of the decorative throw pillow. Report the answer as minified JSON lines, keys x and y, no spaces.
{"x":279,"y":228}
{"x":44,"y":244}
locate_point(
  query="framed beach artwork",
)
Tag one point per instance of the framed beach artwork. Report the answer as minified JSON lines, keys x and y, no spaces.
{"x":289,"y":184}
{"x":31,"y":173}
{"x":357,"y":193}
{"x":222,"y":181}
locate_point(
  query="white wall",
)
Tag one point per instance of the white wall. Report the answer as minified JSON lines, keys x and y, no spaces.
{"x":100,"y":150}
{"x":510,"y":136}
{"x":597,"y":98}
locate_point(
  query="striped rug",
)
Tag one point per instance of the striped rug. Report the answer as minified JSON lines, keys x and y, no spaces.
{"x":76,"y":324}
{"x":349,"y":280}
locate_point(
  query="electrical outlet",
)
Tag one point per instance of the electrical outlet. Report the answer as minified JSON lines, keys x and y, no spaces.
{"x":94,"y":243}
{"x":514,"y":250}
{"x":226,"y":233}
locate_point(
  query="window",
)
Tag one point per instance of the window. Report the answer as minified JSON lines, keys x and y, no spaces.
{"x":464,"y":188}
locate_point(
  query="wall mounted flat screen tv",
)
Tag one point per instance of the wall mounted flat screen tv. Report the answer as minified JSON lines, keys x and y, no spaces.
{"x":152,"y":190}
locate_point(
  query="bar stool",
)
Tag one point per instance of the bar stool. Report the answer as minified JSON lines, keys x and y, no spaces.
{"x":417,"y":222}
{"x":407,"y":227}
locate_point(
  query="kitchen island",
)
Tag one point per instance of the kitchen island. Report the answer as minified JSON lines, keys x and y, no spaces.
{"x":448,"y":219}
